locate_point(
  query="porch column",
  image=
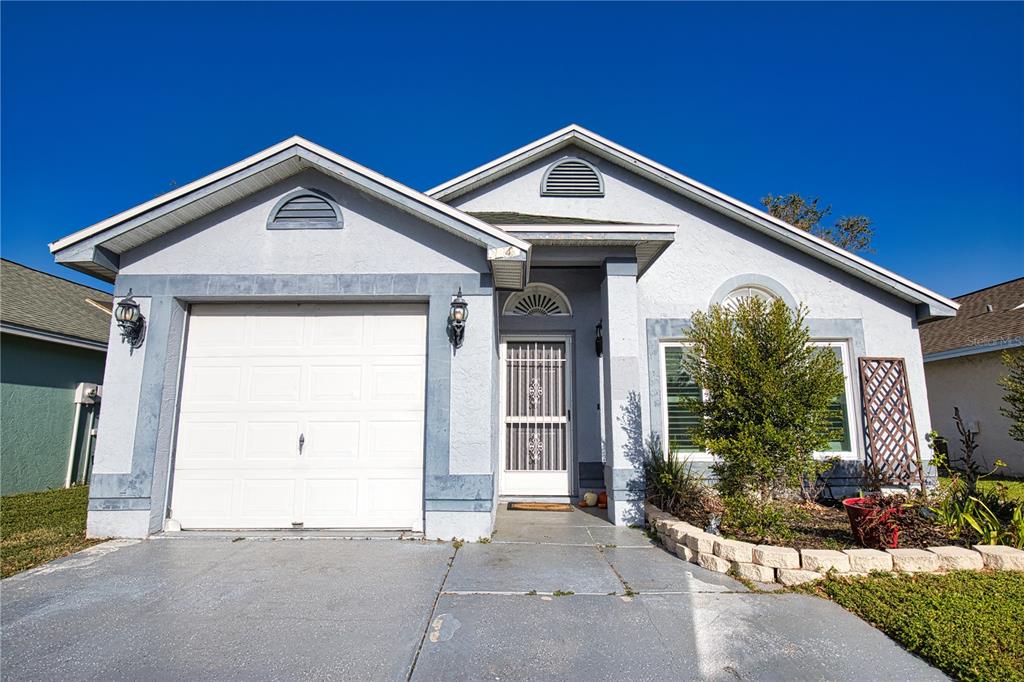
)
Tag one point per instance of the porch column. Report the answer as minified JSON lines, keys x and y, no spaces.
{"x":623,"y":432}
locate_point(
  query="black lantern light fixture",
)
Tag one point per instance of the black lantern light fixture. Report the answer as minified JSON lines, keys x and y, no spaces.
{"x":457,"y":317}
{"x":130,"y":321}
{"x":599,"y":338}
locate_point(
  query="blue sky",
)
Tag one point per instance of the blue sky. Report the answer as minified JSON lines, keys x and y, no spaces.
{"x":912,"y":114}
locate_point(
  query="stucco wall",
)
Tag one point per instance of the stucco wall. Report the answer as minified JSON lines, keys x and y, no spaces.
{"x":375,"y":238}
{"x":970,"y":384}
{"x":381,"y":254}
{"x":37,"y":390}
{"x":710,"y":250}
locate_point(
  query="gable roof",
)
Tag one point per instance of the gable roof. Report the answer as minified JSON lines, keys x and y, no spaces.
{"x":96,"y":249}
{"x":929,"y":303}
{"x":988,"y":320}
{"x":37,"y":304}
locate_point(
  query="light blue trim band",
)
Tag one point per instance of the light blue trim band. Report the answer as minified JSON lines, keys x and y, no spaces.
{"x":662,"y":329}
{"x":158,"y":400}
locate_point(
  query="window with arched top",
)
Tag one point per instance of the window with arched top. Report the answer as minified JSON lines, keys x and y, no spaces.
{"x":572,"y":177}
{"x":305,"y":209}
{"x":751,"y":291}
{"x":537,"y":300}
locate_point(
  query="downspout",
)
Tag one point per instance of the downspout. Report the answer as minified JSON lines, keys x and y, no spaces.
{"x":85,"y":394}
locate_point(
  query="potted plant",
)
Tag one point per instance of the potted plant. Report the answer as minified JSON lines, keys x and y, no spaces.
{"x":874,"y":520}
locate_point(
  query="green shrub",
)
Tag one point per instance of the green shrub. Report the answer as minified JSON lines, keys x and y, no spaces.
{"x":673,"y":487}
{"x":767,"y":397}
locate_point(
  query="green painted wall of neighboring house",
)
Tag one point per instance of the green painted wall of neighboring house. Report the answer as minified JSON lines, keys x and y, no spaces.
{"x":37,"y":390}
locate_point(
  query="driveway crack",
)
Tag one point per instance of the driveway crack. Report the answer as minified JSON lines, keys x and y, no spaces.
{"x":430,"y":616}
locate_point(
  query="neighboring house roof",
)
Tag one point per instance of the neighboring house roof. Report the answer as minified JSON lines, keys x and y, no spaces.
{"x":39,"y":305}
{"x":988,"y":320}
{"x":930,"y":304}
{"x":97,"y":249}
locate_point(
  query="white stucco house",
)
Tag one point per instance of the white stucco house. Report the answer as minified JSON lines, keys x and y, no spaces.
{"x":301,"y":364}
{"x":963,"y":365}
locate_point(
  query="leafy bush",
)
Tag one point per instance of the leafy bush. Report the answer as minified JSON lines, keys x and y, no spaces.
{"x":767,"y":522}
{"x":767,"y":398}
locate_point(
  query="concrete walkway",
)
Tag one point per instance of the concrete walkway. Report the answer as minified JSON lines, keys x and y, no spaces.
{"x":209,"y":607}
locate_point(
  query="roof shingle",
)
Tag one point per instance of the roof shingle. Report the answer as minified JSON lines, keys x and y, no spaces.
{"x":36,"y":300}
{"x":977,"y":325}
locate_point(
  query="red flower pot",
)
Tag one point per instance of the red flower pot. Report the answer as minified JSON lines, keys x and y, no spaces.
{"x":872,"y":524}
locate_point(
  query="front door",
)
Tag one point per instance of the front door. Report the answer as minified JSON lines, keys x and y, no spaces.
{"x":537,"y":407}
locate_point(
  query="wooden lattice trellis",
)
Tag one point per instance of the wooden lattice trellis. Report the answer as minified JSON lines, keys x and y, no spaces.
{"x":892,"y":444}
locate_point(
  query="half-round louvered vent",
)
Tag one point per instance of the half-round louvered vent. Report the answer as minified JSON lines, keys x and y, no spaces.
{"x":572,"y":178}
{"x":305,"y":209}
{"x":537,"y":299}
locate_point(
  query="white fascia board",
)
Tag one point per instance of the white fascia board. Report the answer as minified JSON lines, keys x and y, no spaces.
{"x":694,"y":190}
{"x":591,"y":228}
{"x":295,"y":141}
{"x":975,"y":350}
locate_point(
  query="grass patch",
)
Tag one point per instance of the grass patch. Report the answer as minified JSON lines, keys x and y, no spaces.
{"x":968,"y":624}
{"x":40,"y":527}
{"x":1014,"y":486}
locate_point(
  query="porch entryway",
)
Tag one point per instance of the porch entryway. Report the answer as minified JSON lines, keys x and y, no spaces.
{"x":537,"y":409}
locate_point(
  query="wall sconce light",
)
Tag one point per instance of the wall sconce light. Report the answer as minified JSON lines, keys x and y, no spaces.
{"x":599,"y":338}
{"x":130,"y":321}
{"x":457,"y":317}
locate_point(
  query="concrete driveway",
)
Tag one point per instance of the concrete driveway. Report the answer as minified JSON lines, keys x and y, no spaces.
{"x":278,"y":607}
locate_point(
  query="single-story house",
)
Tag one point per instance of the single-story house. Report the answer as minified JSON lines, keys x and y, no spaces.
{"x":325,"y":347}
{"x":963,"y":364}
{"x":53,"y":342}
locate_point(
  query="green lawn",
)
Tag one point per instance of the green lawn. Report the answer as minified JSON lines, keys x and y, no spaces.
{"x":1014,"y":486}
{"x":968,"y":624}
{"x":40,"y":527}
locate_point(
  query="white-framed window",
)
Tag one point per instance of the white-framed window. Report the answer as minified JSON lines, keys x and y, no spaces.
{"x":676,"y":417}
{"x":842,"y":408}
{"x":677,"y":420}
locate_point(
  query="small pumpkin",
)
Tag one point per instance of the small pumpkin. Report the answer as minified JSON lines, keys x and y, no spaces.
{"x":602,"y":500}
{"x":588,"y":500}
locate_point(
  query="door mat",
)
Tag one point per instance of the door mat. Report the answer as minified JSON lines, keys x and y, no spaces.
{"x":539,"y":506}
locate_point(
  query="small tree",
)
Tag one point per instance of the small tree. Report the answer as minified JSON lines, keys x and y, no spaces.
{"x":768,"y":395}
{"x":1013,"y":383}
{"x":852,"y":233}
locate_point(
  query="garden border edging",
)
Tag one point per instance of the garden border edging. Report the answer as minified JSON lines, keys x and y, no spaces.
{"x":789,"y":566}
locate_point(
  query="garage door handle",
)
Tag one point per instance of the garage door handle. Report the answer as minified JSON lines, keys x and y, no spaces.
{"x":302,"y":441}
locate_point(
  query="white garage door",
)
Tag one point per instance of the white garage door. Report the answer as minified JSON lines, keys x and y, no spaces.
{"x":302,"y":414}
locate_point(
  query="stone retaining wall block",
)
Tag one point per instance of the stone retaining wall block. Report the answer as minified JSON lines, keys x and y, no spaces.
{"x":759,"y":574}
{"x":795,"y":576}
{"x":734,"y":550}
{"x":914,"y":560}
{"x":712,"y":562}
{"x":776,"y":557}
{"x":867,"y":560}
{"x":958,"y":558}
{"x":1001,"y":557}
{"x":824,"y":560}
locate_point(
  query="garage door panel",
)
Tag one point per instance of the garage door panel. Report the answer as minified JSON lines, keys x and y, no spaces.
{"x":206,"y":441}
{"x":212,"y":384}
{"x":264,"y":499}
{"x":336,"y":442}
{"x":387,"y":496}
{"x":331,"y":501}
{"x":336,"y":383}
{"x":275,"y":384}
{"x":272,"y":440}
{"x":394,"y":443}
{"x":205,"y":502}
{"x":349,"y":378}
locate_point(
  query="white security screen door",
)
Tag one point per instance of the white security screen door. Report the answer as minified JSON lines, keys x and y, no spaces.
{"x":305,"y":414}
{"x":538,"y":403}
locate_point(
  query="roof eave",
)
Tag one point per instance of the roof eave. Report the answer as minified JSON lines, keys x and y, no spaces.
{"x":930,"y":304}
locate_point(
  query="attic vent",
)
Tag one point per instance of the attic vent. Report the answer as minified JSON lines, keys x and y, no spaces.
{"x":537,"y":300}
{"x":572,"y":178}
{"x":305,"y":209}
